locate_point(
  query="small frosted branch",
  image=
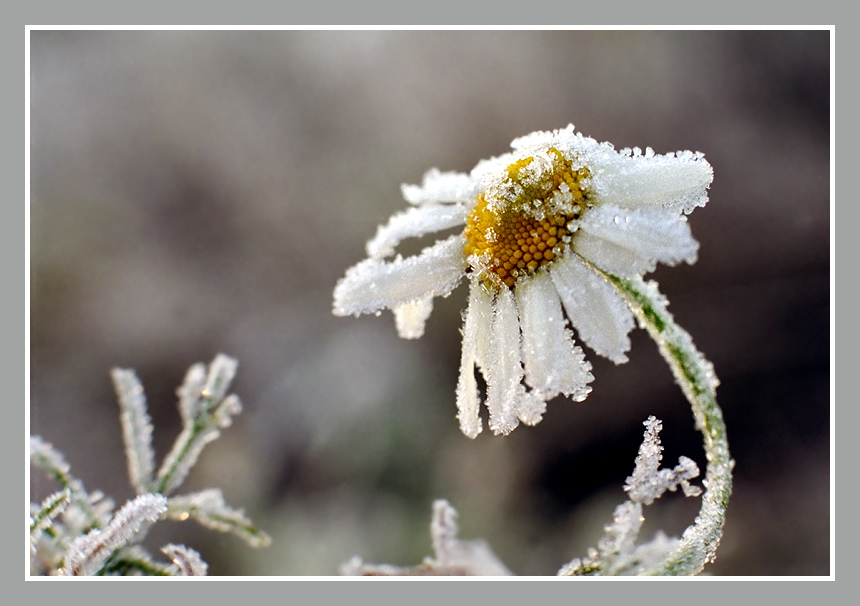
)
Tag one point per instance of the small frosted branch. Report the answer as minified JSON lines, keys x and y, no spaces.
{"x":648,"y":481}
{"x":136,"y":429}
{"x":205,"y":410}
{"x":210,"y":510}
{"x":453,"y":557}
{"x":617,"y":552}
{"x":186,"y":561}
{"x":87,"y":554}
{"x":695,"y":375}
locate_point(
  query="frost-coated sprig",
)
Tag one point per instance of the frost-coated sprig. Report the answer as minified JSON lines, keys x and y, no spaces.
{"x":77,"y":533}
{"x":617,"y":552}
{"x":453,"y":557}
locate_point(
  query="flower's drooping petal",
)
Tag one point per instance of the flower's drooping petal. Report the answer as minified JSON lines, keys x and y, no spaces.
{"x":677,"y":182}
{"x":553,"y":363}
{"x":479,"y":315}
{"x":374,"y":284}
{"x":629,"y":242}
{"x":507,"y":398}
{"x":442,"y":187}
{"x":412,"y":223}
{"x":411,"y":317}
{"x":601,"y":317}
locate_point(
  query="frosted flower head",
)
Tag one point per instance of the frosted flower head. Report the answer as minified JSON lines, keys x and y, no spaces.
{"x":540,"y":224}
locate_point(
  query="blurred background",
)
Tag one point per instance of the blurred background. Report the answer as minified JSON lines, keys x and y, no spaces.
{"x":202,"y":192}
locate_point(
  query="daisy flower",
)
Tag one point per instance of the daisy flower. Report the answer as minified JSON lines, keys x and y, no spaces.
{"x":542,"y":228}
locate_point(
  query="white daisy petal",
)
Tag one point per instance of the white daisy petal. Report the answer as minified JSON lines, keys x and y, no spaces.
{"x":601,"y":317}
{"x":412,"y":223}
{"x":553,"y":363}
{"x":629,"y":242}
{"x":411,"y":317}
{"x":503,"y":369}
{"x":374,"y":284}
{"x":442,"y":187}
{"x":677,"y":182}
{"x":478,"y":318}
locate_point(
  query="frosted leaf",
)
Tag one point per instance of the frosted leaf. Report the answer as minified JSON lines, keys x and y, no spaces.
{"x":479,"y":312}
{"x":442,"y":187}
{"x":373,"y":284}
{"x":414,"y":222}
{"x":601,"y":317}
{"x":631,"y":242}
{"x":136,"y":429}
{"x":411,"y":317}
{"x":503,"y":369}
{"x":553,"y":363}
{"x":87,"y":554}
{"x":186,"y":561}
{"x":189,"y":392}
{"x":222,"y":370}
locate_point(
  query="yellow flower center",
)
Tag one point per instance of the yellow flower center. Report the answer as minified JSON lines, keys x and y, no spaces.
{"x":526,"y":220}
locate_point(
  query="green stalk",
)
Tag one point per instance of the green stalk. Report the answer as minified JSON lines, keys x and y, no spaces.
{"x":695,"y":375}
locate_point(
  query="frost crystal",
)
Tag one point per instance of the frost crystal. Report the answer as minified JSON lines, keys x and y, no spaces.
{"x":544,"y":223}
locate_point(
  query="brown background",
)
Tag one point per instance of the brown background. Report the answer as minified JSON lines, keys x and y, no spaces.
{"x":197,"y":192}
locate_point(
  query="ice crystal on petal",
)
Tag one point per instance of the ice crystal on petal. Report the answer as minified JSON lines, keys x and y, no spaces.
{"x":374,"y":284}
{"x":602,"y":318}
{"x":560,"y":205}
{"x":631,"y":242}
{"x":412,"y":223}
{"x":553,"y":363}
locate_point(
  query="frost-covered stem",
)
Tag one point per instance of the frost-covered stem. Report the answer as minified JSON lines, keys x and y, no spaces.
{"x":695,"y":375}
{"x":175,"y":464}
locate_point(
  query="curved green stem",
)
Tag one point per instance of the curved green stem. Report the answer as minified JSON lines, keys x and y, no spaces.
{"x":695,"y":375}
